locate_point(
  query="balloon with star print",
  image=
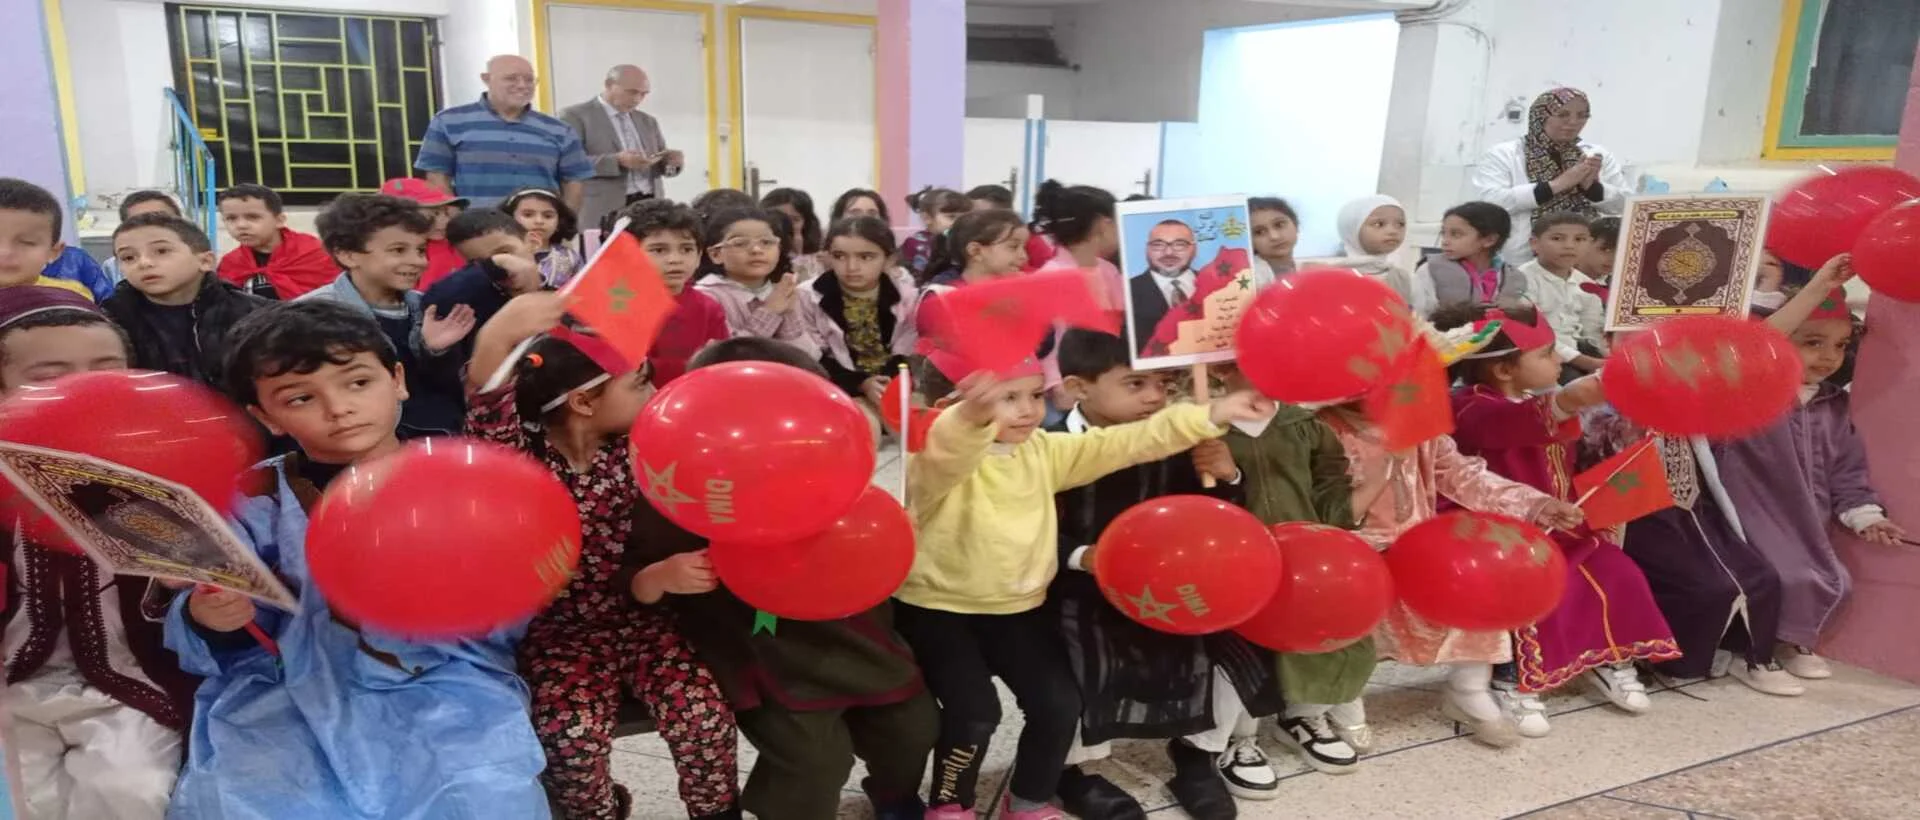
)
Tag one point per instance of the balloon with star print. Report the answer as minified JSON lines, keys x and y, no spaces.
{"x":752,"y":452}
{"x":1714,"y":376}
{"x":1334,"y":591}
{"x":1478,"y":571}
{"x":1187,"y":564}
{"x":1321,"y":335}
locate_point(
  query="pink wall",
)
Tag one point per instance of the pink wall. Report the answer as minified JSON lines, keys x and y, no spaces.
{"x":922,"y":65}
{"x":1871,"y":631}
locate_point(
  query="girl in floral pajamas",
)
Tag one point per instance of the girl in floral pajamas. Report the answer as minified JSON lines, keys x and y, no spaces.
{"x":569,"y":406}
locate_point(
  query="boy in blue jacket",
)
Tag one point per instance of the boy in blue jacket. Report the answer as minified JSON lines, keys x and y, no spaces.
{"x":346,"y":722}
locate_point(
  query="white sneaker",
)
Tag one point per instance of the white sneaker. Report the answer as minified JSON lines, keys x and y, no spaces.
{"x":1802,"y":663}
{"x":1722,"y":664}
{"x":1316,"y":744}
{"x":1497,"y":732}
{"x":1770,"y":679}
{"x":1621,"y":685}
{"x":1249,"y":775}
{"x":1528,"y":713}
{"x":1350,"y":724}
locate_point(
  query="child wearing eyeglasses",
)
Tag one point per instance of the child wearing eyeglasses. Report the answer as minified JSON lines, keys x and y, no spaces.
{"x":749,"y":275}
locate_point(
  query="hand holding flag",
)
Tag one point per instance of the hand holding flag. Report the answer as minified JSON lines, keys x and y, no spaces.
{"x":1625,"y":487}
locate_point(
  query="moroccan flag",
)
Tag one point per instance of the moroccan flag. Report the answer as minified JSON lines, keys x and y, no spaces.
{"x":996,"y":325}
{"x":1412,"y":405}
{"x":620,"y":295}
{"x":1625,"y":487}
{"x":918,"y":419}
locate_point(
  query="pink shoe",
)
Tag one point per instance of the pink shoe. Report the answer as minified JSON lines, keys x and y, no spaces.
{"x":949,"y":812}
{"x":1042,"y":813}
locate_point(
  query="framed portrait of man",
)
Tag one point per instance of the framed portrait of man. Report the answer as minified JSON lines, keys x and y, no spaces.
{"x":132,"y":523}
{"x":1686,"y":255}
{"x":1188,"y":264}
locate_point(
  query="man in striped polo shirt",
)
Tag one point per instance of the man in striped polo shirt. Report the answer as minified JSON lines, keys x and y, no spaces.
{"x":488,"y":149}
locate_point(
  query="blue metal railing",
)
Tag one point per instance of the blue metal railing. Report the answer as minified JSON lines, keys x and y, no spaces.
{"x":193,"y":177}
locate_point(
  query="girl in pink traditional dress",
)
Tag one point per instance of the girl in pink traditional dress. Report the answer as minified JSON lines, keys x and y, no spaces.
{"x":1609,"y":618}
{"x":1396,"y":490}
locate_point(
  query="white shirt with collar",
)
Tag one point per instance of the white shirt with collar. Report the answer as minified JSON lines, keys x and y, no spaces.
{"x":638,"y":181}
{"x":1575,"y":315}
{"x":1184,"y":281}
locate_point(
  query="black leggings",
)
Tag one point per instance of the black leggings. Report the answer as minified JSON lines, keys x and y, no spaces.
{"x":960,"y":655}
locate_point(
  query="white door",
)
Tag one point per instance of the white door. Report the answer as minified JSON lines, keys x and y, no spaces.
{"x":585,"y":41}
{"x":807,"y":107}
{"x":1122,"y":157}
{"x":994,"y":153}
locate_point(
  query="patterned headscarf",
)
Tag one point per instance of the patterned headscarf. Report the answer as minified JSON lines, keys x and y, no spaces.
{"x":1546,"y":159}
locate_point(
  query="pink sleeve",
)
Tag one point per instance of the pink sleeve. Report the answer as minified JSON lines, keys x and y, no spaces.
{"x":1467,"y":481}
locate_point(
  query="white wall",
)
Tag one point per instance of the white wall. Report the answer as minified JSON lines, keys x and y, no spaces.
{"x":1671,"y":83}
{"x":121,"y":61}
{"x":1140,"y":59}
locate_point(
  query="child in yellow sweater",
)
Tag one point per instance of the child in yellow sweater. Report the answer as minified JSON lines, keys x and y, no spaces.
{"x":981,"y":494}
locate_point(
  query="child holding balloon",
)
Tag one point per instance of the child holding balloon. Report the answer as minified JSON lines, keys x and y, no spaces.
{"x":1508,"y":413}
{"x":374,"y":724}
{"x":570,"y":404}
{"x":980,"y":494}
{"x":1791,"y":481}
{"x":96,"y":703}
{"x":1200,"y":694}
{"x":809,"y":695}
{"x":1396,"y":490}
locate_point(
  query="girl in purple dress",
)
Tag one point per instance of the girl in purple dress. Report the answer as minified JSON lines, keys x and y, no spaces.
{"x":1608,"y":619}
{"x":1793,"y":481}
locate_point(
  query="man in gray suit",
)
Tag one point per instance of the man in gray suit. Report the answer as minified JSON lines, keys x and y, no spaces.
{"x":630,"y":155}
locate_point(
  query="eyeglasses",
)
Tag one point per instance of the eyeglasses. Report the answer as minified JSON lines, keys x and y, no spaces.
{"x":1161,"y":246}
{"x":741,"y":243}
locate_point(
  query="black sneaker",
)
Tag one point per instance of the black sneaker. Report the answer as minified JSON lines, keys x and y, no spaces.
{"x":1315,"y":742}
{"x":1249,"y":775}
{"x":1197,"y":784}
{"x":1092,"y":797}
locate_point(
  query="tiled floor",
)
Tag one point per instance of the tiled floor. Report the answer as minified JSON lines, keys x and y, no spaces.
{"x":1848,"y":749}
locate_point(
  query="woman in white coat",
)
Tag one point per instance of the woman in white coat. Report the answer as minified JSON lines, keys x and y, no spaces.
{"x":1550,"y":170}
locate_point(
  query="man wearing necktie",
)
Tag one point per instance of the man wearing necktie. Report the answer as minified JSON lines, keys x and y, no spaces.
{"x":629,"y":153}
{"x":1169,"y":280}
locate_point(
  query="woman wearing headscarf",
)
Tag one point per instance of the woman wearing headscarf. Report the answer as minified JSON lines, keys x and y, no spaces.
{"x":1550,"y":170}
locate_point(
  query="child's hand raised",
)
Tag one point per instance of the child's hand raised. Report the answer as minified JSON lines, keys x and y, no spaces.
{"x":220,"y":610}
{"x":1559,"y":515}
{"x":1884,"y":532}
{"x":1244,"y":405}
{"x":979,"y":395}
{"x":1837,"y":272}
{"x":444,"y":329}
{"x":523,"y":274}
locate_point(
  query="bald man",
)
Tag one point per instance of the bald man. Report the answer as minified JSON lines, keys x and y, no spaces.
{"x":629,"y":154}
{"x":487,"y":149}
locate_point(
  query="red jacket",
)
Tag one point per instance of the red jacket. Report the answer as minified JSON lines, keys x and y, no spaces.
{"x":698,"y":320}
{"x":298,"y":264}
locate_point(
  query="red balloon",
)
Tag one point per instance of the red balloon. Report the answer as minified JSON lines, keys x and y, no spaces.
{"x":1322,"y":335}
{"x":157,"y":423}
{"x":752,"y":453}
{"x":1713,"y":376}
{"x":1187,"y":564}
{"x":1821,"y":216}
{"x":1887,"y":257}
{"x":1334,"y":591}
{"x":1478,"y":571}
{"x":449,"y":537}
{"x":850,"y":568}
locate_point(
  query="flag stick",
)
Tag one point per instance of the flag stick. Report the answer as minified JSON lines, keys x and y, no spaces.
{"x":906,"y":425}
{"x":1202,"y":394}
{"x":1644,"y":445}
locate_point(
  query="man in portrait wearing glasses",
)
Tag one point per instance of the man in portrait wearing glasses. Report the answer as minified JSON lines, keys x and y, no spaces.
{"x":486,"y":149}
{"x":1169,"y":279}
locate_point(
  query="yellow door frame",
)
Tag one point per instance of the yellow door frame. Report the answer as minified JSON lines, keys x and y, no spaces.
{"x":543,"y":61}
{"x":736,"y":110}
{"x":1791,"y":14}
{"x":62,"y":70}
